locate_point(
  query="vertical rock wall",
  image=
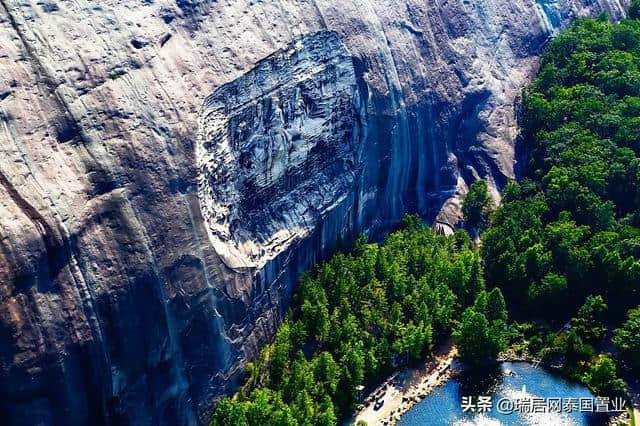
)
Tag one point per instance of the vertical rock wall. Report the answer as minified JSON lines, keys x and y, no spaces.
{"x":115,"y":304}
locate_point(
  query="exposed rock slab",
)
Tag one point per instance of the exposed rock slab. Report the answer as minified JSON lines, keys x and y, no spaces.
{"x":279,"y":149}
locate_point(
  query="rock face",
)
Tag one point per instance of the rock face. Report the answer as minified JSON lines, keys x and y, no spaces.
{"x":139,"y":270}
{"x":279,"y":149}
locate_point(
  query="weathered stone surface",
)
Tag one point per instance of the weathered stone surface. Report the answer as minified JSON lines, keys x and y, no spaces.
{"x":115,"y":306}
{"x":278,"y":149}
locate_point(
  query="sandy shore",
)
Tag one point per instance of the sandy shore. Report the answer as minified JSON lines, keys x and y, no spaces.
{"x":404,"y":389}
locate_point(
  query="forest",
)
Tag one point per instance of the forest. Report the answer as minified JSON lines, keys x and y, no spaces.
{"x":554,"y":273}
{"x":356,"y":319}
{"x":564,"y":246}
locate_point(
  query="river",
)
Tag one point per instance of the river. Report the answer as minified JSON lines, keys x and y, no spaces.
{"x":510,"y":381}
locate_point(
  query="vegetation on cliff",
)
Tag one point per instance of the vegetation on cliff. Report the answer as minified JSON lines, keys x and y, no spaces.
{"x":566,"y":239}
{"x":359,"y":316}
{"x":477,"y":205}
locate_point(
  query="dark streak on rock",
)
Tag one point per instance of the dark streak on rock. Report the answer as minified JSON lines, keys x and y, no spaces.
{"x":165,"y":38}
{"x":138,"y":44}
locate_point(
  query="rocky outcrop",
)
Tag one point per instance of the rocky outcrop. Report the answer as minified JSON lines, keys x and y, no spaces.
{"x":279,"y":149}
{"x":118,"y":302}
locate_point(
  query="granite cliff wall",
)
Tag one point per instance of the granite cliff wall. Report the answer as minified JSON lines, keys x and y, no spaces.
{"x":119,"y":303}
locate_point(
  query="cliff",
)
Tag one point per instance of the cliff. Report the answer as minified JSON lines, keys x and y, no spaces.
{"x":162,"y":185}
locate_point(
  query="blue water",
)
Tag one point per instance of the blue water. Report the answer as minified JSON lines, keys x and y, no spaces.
{"x":443,"y":406}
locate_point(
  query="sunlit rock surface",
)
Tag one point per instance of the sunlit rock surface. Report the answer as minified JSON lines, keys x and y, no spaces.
{"x":278,"y":149}
{"x":120,"y":302}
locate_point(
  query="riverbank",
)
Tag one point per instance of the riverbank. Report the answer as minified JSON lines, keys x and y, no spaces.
{"x":400,"y":392}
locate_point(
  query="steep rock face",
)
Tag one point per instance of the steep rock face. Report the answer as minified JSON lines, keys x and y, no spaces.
{"x":115,"y":306}
{"x":279,"y":149}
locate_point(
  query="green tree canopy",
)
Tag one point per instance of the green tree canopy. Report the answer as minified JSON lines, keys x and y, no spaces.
{"x":477,"y":205}
{"x":627,"y":339}
{"x":603,"y":379}
{"x":479,"y":340}
{"x":496,"y":306}
{"x":353,"y":320}
{"x":589,"y":323}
